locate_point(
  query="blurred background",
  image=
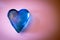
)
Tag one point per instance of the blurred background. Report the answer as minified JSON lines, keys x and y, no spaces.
{"x":44,"y":24}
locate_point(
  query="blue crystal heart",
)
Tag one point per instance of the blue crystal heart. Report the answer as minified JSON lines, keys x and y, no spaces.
{"x":19,"y":19}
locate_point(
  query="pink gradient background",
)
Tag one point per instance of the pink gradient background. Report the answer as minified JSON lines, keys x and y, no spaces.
{"x":43,"y":26}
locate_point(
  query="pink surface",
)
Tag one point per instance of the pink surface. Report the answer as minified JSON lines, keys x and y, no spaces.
{"x":44,"y":23}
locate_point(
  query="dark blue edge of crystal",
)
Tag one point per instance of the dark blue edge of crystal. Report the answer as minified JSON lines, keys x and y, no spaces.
{"x":10,"y":20}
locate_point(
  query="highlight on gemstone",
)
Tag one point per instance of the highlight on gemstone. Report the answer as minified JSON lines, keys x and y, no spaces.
{"x":19,"y":19}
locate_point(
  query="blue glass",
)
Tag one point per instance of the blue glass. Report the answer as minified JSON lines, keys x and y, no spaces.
{"x":19,"y":19}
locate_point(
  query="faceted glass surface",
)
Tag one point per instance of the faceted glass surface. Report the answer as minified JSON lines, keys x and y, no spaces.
{"x":19,"y":19}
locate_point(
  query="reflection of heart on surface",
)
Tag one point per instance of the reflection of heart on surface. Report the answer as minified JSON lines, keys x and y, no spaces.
{"x":19,"y":19}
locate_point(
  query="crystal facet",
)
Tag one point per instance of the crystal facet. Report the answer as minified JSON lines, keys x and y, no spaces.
{"x":19,"y":19}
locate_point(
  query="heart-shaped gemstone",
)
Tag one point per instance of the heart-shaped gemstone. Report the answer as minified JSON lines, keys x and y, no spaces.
{"x":19,"y":19}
